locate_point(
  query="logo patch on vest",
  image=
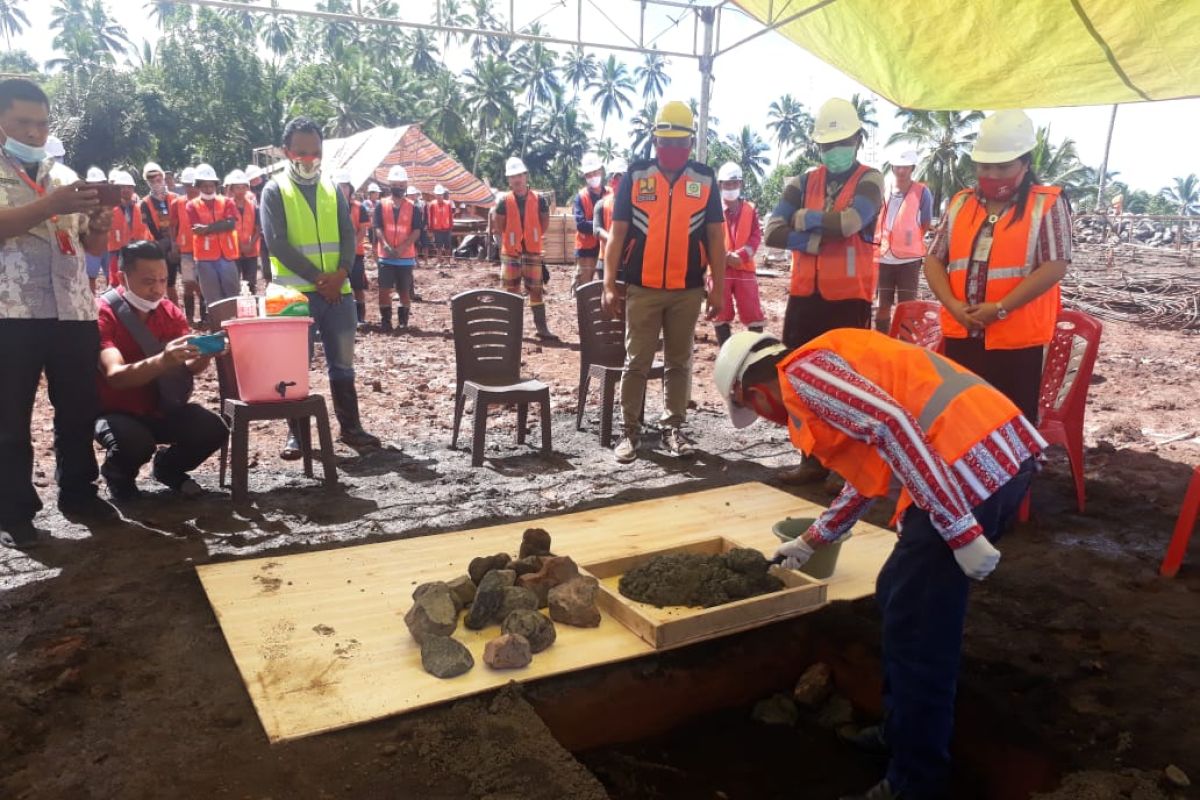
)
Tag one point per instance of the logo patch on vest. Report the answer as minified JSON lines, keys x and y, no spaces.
{"x":647,"y":190}
{"x":692,"y":188}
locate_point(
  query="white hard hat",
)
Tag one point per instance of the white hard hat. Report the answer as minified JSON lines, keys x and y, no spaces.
{"x":373,"y":187}
{"x":837,"y":119}
{"x":150,"y":167}
{"x":905,"y":158}
{"x":253,"y":172}
{"x":439,"y":189}
{"x":514,"y":166}
{"x":1004,"y":136}
{"x":205,"y":172}
{"x":590,"y":163}
{"x":397,"y":173}
{"x":738,"y":353}
{"x":54,"y":147}
{"x":95,"y":175}
{"x":729,"y":171}
{"x":188,"y":176}
{"x":119,"y":177}
{"x":236,"y":177}
{"x":342,"y":176}
{"x":617,"y":166}
{"x":412,"y":190}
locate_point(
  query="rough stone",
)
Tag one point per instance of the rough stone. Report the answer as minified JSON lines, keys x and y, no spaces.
{"x":508,"y":576}
{"x":507,"y":651}
{"x":814,"y":686}
{"x":444,"y":657}
{"x":555,"y":570}
{"x":836,"y":712}
{"x":534,"y":626}
{"x":527,"y":565}
{"x":427,"y":587}
{"x":778,"y":709}
{"x":432,"y":614}
{"x":1177,"y":776}
{"x":517,"y":598}
{"x":462,"y":589}
{"x":535,"y":542}
{"x":574,"y":602}
{"x":484,"y":564}
{"x":489,"y":599}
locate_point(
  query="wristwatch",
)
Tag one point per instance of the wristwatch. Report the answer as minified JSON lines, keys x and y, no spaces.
{"x":1001,"y":314}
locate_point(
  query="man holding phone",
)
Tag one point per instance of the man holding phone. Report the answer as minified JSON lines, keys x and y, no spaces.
{"x":48,"y":219}
{"x":145,"y":381}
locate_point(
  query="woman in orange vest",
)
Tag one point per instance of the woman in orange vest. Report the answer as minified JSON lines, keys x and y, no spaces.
{"x":214,"y":238}
{"x":249,"y":235}
{"x":996,"y":262}
{"x":900,"y":230}
{"x":880,"y":411}
{"x":742,"y":238}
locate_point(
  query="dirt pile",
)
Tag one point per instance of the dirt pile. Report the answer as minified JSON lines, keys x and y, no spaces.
{"x":690,"y":579}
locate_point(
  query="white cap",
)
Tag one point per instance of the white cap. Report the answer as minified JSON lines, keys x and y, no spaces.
{"x":342,"y":176}
{"x":590,"y":163}
{"x":95,"y":175}
{"x":439,"y":189}
{"x":188,"y":176}
{"x":253,"y":171}
{"x":205,"y":172}
{"x":837,"y":119}
{"x":616,"y":166}
{"x":729,"y":171}
{"x":119,"y":177}
{"x":397,"y":173}
{"x":236,"y":177}
{"x":514,"y":166}
{"x":1004,"y":136}
{"x":373,"y":187}
{"x":54,"y":147}
{"x":150,"y":167}
{"x":738,"y":353}
{"x":412,"y":190}
{"x":905,"y":158}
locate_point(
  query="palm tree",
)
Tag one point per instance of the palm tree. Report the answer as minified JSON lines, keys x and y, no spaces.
{"x":1184,"y":195}
{"x":788,"y":122}
{"x":652,"y":74}
{"x":337,"y":33}
{"x":1059,"y":165}
{"x":748,"y":148}
{"x":167,"y":12}
{"x":579,"y":68}
{"x":538,"y":64}
{"x":606,"y":149}
{"x":12,"y":20}
{"x":484,"y":20}
{"x":641,"y":129}
{"x":278,"y":32}
{"x":351,"y":96}
{"x":246,"y":20}
{"x":612,"y":86}
{"x":865,"y":107}
{"x":944,"y":137}
{"x":423,"y":52}
{"x":489,"y":93}
{"x":454,"y":17}
{"x":444,"y":120}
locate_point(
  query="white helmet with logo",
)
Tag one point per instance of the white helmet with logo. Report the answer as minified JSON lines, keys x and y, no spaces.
{"x":205,"y":172}
{"x":738,"y":353}
{"x":150,"y":167}
{"x":729,"y":171}
{"x":188,"y":176}
{"x":373,"y":187}
{"x":397,"y":174}
{"x":119,"y":177}
{"x":905,"y":158}
{"x":514,"y":166}
{"x":590,"y":163}
{"x":1004,"y":136}
{"x":439,"y":189}
{"x":95,"y":175}
{"x":236,"y":178}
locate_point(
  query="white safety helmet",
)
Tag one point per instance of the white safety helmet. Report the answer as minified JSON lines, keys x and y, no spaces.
{"x":119,"y":177}
{"x":373,"y":187}
{"x":1004,"y":136}
{"x":590,"y":163}
{"x":397,"y":173}
{"x":514,"y":166}
{"x":837,"y":119}
{"x":729,"y":171}
{"x":905,"y":158}
{"x":342,"y":176}
{"x":236,"y":177}
{"x":412,"y":190}
{"x":439,"y":189}
{"x":253,"y":172}
{"x":188,"y":176}
{"x":150,"y":167}
{"x":205,"y":172}
{"x":95,"y":175}
{"x":738,"y":353}
{"x":54,"y":147}
{"x":617,"y":166}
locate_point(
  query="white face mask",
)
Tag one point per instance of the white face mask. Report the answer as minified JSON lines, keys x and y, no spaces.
{"x":307,"y":169}
{"x":140,"y":303}
{"x":208,"y":195}
{"x":595,"y":181}
{"x":729,"y":195}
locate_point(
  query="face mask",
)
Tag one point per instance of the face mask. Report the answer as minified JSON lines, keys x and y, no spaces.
{"x":159,"y":189}
{"x":729,"y":195}
{"x":399,"y":192}
{"x":838,"y":159}
{"x":208,"y":195}
{"x":595,"y":182}
{"x":140,"y":303}
{"x":673,"y":159}
{"x":308,"y":169}
{"x":1000,"y":188}
{"x":23,"y":152}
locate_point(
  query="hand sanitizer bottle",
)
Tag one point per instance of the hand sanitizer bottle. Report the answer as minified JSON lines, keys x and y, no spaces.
{"x":247,"y":304}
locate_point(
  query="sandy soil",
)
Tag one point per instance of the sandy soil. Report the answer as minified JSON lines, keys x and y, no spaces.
{"x":117,"y":683}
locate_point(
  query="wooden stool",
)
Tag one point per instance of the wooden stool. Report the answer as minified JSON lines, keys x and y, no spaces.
{"x":1183,"y":528}
{"x":241,"y":414}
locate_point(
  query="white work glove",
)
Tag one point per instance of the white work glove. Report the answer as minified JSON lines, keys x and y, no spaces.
{"x":795,"y":554}
{"x":978,"y":558}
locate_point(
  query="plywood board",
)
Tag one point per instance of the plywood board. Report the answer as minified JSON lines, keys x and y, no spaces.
{"x":319,"y":637}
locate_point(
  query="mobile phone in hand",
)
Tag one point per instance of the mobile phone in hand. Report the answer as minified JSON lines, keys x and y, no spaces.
{"x":208,"y":344}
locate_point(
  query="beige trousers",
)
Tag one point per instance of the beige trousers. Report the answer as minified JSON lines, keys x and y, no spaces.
{"x":651,"y":314}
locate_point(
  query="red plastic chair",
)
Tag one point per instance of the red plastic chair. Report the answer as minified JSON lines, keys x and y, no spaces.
{"x":1066,"y":378}
{"x":918,"y":322}
{"x":1183,"y":528}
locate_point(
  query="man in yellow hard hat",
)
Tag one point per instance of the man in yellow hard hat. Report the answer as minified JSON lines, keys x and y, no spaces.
{"x":666,"y":216}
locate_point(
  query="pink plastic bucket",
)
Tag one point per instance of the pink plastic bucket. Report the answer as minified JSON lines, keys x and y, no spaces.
{"x":270,"y":357}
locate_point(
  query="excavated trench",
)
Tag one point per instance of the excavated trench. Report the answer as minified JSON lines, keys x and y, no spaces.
{"x":678,"y":725}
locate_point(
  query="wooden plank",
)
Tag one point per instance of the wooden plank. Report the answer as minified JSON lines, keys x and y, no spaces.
{"x":319,"y":637}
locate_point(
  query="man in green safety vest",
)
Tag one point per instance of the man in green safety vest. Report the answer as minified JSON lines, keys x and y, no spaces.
{"x":307,"y":227}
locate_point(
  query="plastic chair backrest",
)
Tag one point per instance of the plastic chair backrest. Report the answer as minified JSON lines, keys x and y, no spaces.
{"x":219,"y":312}
{"x":918,"y":322}
{"x":601,"y":340}
{"x":487,"y":336}
{"x":1067,"y":373}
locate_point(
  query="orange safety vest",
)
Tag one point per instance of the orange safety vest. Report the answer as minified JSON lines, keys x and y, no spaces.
{"x":667,"y":231}
{"x":1010,"y":261}
{"x":214,"y":245}
{"x":905,"y":239}
{"x":737,"y":237}
{"x":360,"y":227}
{"x":587,"y":241}
{"x":183,"y":225}
{"x":165,"y":225}
{"x":247,"y":225}
{"x":518,"y":239}
{"x":123,"y":231}
{"x":606,"y":211}
{"x":396,"y":227}
{"x":954,"y":407}
{"x":441,"y":215}
{"x":844,"y":268}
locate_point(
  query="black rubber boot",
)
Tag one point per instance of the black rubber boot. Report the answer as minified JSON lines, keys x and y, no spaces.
{"x":291,"y":448}
{"x":723,"y":333}
{"x":345,"y":408}
{"x":361,"y":310}
{"x":203,"y":311}
{"x":402,"y":317}
{"x":385,"y":319}
{"x":189,"y":306}
{"x":539,"y":322}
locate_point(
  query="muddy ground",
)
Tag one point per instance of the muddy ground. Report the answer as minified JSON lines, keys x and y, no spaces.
{"x":116,"y":682}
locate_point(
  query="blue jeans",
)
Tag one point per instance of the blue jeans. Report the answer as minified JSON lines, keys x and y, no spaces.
{"x":922,"y":595}
{"x":336,"y":323}
{"x":218,"y":279}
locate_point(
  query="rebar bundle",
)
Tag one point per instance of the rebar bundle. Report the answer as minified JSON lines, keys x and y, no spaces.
{"x":1160,"y":299}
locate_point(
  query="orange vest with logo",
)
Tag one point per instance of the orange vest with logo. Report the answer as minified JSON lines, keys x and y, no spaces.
{"x":1009,"y":262}
{"x":520,"y":239}
{"x":123,"y":231}
{"x":954,"y":407}
{"x":164,"y":223}
{"x":905,"y":239}
{"x":587,"y":241}
{"x":844,"y":268}
{"x":183,"y":225}
{"x":739,"y":235}
{"x":246,"y":226}
{"x":360,"y":227}
{"x":441,"y":215}
{"x":214,"y":245}
{"x":667,"y":232}
{"x":396,"y":227}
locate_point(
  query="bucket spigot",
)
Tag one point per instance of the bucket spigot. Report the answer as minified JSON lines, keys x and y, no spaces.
{"x":282,"y":387}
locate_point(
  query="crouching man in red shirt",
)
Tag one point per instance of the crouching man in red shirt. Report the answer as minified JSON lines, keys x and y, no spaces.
{"x":146,"y":369}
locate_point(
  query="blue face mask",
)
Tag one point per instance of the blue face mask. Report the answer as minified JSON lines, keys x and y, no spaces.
{"x":838,"y":159}
{"x":23,"y":152}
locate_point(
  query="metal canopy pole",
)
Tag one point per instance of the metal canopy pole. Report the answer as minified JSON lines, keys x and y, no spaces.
{"x":706,"y":76}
